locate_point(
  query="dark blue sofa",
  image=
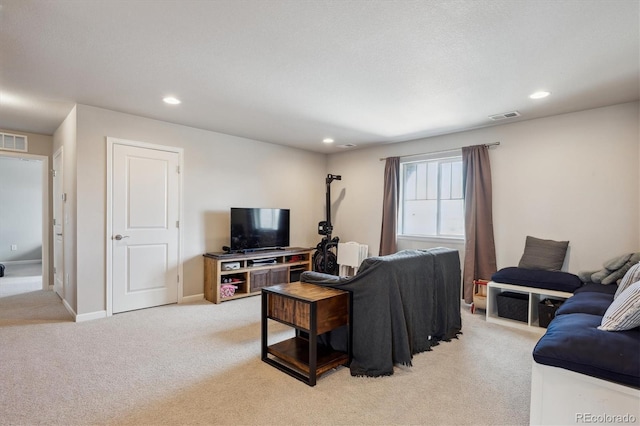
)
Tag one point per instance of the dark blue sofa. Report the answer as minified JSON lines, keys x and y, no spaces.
{"x":574,"y":342}
{"x":579,"y":371}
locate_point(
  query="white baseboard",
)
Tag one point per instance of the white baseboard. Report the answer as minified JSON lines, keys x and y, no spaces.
{"x":91,"y":316}
{"x":68,"y":307}
{"x":83,"y":317}
{"x":20,"y":262}
{"x":193,"y":298}
{"x":103,"y":314}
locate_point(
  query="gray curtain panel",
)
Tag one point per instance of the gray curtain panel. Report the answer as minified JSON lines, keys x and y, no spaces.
{"x":480,"y":248}
{"x":390,"y":199}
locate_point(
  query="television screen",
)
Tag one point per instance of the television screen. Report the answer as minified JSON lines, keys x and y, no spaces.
{"x":257,"y":228}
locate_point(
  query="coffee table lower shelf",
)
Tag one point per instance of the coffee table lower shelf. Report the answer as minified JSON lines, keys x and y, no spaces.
{"x":292,"y":357}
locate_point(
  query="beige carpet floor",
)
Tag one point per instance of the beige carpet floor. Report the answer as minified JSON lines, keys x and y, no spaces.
{"x":21,"y":278}
{"x":200,"y":363}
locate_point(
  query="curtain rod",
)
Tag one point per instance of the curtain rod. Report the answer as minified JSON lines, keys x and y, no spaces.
{"x":488,"y":145}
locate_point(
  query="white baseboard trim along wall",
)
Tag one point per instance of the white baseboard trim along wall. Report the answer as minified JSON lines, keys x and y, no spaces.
{"x":68,"y":308}
{"x":91,"y":316}
{"x":84,"y":317}
{"x":103,"y":314}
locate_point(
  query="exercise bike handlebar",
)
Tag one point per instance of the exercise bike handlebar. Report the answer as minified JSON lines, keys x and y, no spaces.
{"x":331,"y":178}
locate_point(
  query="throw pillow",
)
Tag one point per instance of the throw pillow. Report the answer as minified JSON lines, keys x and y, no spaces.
{"x":632,"y":275}
{"x":616,"y":276}
{"x":624,"y":312}
{"x":617,"y":262}
{"x":543,"y":254}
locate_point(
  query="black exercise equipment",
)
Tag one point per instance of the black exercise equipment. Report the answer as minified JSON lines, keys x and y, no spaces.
{"x":325,"y":259}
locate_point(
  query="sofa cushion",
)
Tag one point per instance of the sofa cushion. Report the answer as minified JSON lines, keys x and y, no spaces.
{"x":630,"y":277}
{"x":573,"y":342}
{"x":548,"y":280}
{"x":624,"y":312}
{"x":593,"y":303}
{"x":543,"y":254}
{"x":597,"y":288}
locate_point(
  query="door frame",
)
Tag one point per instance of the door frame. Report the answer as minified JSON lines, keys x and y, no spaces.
{"x":46,"y":222}
{"x":111,"y":141}
{"x":60,"y":152}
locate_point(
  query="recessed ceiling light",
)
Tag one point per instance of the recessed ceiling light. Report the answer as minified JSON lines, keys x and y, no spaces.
{"x":539,"y":95}
{"x":327,"y":140}
{"x":171,"y":100}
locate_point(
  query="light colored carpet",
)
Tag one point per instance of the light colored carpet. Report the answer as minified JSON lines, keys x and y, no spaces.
{"x":200,"y":363}
{"x":21,"y":278}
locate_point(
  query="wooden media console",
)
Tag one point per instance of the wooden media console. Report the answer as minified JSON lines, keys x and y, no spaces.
{"x":249,"y":272}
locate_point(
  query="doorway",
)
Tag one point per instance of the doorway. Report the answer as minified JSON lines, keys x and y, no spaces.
{"x":24,"y":214}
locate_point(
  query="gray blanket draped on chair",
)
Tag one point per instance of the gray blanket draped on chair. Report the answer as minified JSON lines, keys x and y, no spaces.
{"x":403,"y":304}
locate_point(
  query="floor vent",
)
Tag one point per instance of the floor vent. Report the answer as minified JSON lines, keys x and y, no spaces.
{"x":11,"y":142}
{"x":504,"y":116}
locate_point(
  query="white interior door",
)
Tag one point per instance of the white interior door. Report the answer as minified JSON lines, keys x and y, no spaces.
{"x":145,"y":228}
{"x":58,"y":225}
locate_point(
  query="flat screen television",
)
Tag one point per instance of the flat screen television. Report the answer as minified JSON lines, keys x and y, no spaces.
{"x":259,"y":229}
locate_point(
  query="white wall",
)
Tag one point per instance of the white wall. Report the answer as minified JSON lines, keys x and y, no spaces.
{"x":568,"y":177}
{"x":65,"y":137}
{"x":220,"y":171}
{"x":572,"y":176}
{"x":20,"y":209}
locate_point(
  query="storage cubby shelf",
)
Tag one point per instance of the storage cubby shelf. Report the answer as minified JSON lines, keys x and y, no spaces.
{"x":536,"y":295}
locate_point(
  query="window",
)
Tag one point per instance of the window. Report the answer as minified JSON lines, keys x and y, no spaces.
{"x":432,"y":197}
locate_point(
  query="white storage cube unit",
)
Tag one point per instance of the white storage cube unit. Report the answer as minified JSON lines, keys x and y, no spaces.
{"x":535,"y":296}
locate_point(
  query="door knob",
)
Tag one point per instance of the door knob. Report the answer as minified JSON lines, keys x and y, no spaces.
{"x":120,"y":237}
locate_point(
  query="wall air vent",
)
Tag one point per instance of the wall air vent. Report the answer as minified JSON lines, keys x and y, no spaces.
{"x":347,"y":145}
{"x":11,"y":142}
{"x":504,"y":116}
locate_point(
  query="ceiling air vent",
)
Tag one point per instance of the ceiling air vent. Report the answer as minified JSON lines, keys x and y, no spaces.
{"x":504,"y":116}
{"x":347,"y":145}
{"x":10,"y":142}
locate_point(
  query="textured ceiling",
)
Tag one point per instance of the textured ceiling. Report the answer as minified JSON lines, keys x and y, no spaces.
{"x":295,"y":72}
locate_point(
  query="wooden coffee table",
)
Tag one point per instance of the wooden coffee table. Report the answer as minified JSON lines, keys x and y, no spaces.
{"x":312,"y":310}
